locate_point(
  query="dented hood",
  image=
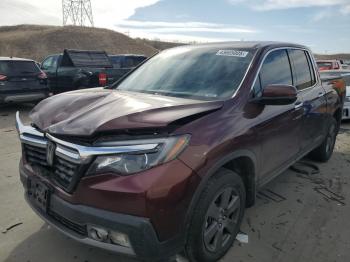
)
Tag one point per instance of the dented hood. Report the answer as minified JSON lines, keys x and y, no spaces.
{"x":85,"y":112}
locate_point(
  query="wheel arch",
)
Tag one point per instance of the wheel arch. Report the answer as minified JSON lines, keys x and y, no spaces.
{"x":244,"y":163}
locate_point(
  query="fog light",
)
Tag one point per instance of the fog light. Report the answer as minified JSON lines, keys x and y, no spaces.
{"x":98,"y":234}
{"x":119,"y":239}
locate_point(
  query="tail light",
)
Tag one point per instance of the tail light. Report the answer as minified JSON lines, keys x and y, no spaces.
{"x":3,"y":77}
{"x":42,"y":75}
{"x":102,"y":79}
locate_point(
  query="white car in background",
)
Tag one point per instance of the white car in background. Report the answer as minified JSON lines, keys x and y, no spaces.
{"x":346,"y":110}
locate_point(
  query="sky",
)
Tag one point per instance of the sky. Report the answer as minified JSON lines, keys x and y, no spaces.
{"x":323,"y":25}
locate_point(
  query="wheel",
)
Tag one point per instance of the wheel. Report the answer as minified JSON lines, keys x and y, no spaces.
{"x":324,"y":152}
{"x":216,"y":218}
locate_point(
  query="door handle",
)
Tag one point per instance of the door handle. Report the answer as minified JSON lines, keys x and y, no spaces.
{"x":320,"y":95}
{"x":298,"y":105}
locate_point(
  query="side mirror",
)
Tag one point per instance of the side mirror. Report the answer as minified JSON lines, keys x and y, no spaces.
{"x":278,"y":95}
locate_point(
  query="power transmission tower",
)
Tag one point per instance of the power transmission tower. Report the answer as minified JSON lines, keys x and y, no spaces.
{"x":77,"y":12}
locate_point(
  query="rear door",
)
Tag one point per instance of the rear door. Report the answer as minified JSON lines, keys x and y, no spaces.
{"x":21,"y":76}
{"x":313,"y":96}
{"x":280,"y":125}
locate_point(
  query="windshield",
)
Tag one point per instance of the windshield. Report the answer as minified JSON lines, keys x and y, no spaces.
{"x":191,"y":72}
{"x":16,"y":68}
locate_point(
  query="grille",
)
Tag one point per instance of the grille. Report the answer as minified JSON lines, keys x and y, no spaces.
{"x":80,"y":229}
{"x":62,"y":171}
{"x":35,"y":155}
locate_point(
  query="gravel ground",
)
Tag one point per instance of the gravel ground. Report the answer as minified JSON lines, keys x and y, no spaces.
{"x":297,"y":217}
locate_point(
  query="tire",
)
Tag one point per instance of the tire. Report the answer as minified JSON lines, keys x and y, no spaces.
{"x":324,"y":152}
{"x":219,"y":212}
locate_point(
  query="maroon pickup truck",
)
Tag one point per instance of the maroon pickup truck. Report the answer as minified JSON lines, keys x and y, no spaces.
{"x":168,"y":159}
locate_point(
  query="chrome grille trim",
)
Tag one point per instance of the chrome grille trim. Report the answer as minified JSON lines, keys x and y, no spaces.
{"x":70,"y":160}
{"x":74,"y":152}
{"x":87,"y":151}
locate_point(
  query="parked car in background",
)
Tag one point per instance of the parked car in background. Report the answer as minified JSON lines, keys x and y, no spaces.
{"x":329,"y":65}
{"x":344,"y":64}
{"x":346,"y":111}
{"x":340,"y":81}
{"x":168,"y":159}
{"x":78,"y":69}
{"x":21,"y":80}
{"x":127,"y":61}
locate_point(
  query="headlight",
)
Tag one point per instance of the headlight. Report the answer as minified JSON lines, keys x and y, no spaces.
{"x":129,"y":163}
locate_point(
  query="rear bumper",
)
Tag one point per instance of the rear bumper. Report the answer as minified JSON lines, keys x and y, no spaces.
{"x":67,"y":217}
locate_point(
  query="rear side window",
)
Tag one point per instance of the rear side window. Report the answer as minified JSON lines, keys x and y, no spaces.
{"x":276,"y":69}
{"x":129,"y":62}
{"x":312,"y":71}
{"x":303,"y":75}
{"x":116,"y":61}
{"x":15,"y":68}
{"x":48,"y":63}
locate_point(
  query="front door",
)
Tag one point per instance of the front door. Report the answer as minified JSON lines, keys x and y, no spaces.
{"x":49,"y":66}
{"x":279,"y":125}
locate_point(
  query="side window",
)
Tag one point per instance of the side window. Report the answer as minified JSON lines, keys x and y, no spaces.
{"x":257,"y":90}
{"x":48,"y":62}
{"x":54,"y":61}
{"x":276,"y":69}
{"x":301,"y":69}
{"x":311,"y":66}
{"x":129,"y":62}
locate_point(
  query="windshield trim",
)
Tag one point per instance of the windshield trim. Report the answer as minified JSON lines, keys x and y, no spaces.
{"x":245,"y":75}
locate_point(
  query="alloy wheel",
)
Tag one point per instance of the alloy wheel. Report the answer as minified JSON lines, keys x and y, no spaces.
{"x":221,"y":219}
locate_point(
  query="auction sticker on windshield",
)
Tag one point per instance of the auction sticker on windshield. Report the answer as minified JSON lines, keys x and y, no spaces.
{"x":235,"y":53}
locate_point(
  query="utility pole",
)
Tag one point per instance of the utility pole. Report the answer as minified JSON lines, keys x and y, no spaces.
{"x":77,"y":12}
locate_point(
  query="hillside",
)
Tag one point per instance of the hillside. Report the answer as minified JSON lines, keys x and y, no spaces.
{"x":335,"y":56}
{"x":160,"y":45}
{"x":36,"y":42}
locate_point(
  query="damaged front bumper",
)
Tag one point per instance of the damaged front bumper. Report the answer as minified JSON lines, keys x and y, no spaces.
{"x":75,"y":221}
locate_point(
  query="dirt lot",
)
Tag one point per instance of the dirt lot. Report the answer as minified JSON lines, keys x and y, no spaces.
{"x":298,"y":217}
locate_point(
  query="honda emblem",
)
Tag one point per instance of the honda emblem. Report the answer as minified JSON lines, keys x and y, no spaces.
{"x":50,"y":153}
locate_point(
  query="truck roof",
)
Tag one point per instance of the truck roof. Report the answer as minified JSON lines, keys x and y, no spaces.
{"x":131,"y":55}
{"x":4,"y":58}
{"x":247,"y":44}
{"x":327,"y":60}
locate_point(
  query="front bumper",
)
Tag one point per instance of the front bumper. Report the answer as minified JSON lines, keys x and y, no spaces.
{"x":73,"y":220}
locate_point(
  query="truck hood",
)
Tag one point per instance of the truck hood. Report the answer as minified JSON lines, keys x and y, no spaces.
{"x":85,"y":112}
